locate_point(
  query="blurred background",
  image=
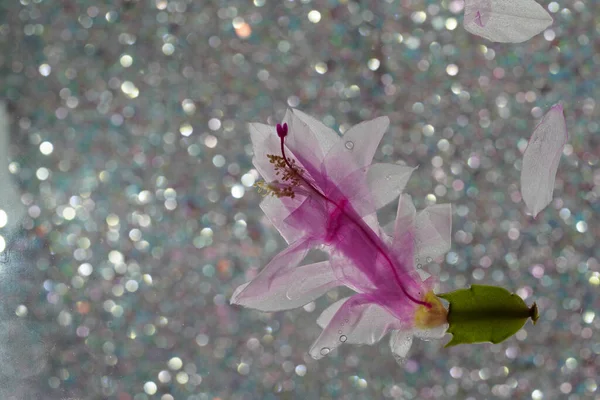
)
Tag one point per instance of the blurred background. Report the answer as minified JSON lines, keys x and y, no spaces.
{"x":128,"y":215}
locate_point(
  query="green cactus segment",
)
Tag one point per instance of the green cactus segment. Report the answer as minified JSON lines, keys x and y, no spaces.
{"x":486,"y":314}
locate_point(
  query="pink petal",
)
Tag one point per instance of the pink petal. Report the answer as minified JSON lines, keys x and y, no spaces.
{"x":506,"y":21}
{"x":305,"y":147}
{"x":277,"y":210}
{"x":373,"y":325}
{"x":325,"y":136}
{"x":267,"y":279}
{"x":372,"y":187}
{"x":400,"y":344}
{"x":357,"y":321}
{"x":387,"y":181}
{"x":355,"y":149}
{"x":433,"y":231}
{"x":264,"y":141}
{"x":541,"y":158}
{"x":405,"y":219}
{"x":292,"y":288}
{"x":434,"y":333}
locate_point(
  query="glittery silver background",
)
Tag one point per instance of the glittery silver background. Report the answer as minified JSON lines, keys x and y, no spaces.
{"x":131,"y":217}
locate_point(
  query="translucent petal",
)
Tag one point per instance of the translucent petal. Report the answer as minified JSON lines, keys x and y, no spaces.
{"x":387,"y":181}
{"x":264,"y":141}
{"x":433,"y":235}
{"x":541,"y":158}
{"x":267,"y":279}
{"x":325,"y":136}
{"x":433,"y":333}
{"x":292,"y":288}
{"x":400,"y":344}
{"x":506,"y":21}
{"x":357,"y":321}
{"x":374,"y":323}
{"x":277,"y":210}
{"x":305,"y":147}
{"x":405,"y":218}
{"x":355,"y":149}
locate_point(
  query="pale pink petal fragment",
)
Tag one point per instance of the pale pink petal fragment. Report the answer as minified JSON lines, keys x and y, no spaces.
{"x":505,"y":21}
{"x":541,"y":158}
{"x":433,"y":231}
{"x":292,"y":288}
{"x":280,"y":265}
{"x":400,"y":344}
{"x":357,"y":321}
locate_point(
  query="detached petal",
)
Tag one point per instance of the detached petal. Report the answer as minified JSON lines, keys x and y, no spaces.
{"x":358,"y":320}
{"x":506,"y":21}
{"x":433,"y":231}
{"x":293,"y":288}
{"x":541,"y":158}
{"x":400,"y":344}
{"x":267,"y":279}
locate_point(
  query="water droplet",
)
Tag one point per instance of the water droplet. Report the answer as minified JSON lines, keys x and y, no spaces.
{"x":324,"y":351}
{"x":349,"y":145}
{"x":429,"y":259}
{"x":343,"y":338}
{"x":419,"y":266}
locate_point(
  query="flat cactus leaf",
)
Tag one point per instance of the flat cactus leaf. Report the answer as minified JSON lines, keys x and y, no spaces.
{"x":486,"y":314}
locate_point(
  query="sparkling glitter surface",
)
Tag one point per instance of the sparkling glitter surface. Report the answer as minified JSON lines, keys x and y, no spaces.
{"x":129,"y":217}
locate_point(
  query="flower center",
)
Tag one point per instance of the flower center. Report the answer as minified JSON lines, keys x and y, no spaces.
{"x":434,"y":316}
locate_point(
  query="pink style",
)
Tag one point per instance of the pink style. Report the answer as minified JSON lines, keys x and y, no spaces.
{"x":324,"y":193}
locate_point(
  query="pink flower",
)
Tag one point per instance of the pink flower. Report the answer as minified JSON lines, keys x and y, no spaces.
{"x":325,"y":192}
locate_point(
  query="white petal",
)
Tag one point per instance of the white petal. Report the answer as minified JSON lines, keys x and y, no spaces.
{"x":372,"y":187}
{"x":405,"y":219}
{"x":264,"y":141}
{"x":355,"y":149}
{"x":434,"y":333}
{"x":541,"y":158}
{"x":275,"y":209}
{"x":291,"y":289}
{"x":387,"y":181}
{"x":400,"y":344}
{"x":271,"y":281}
{"x":356,"y":321}
{"x":433,"y":233}
{"x":325,"y":136}
{"x":506,"y":21}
